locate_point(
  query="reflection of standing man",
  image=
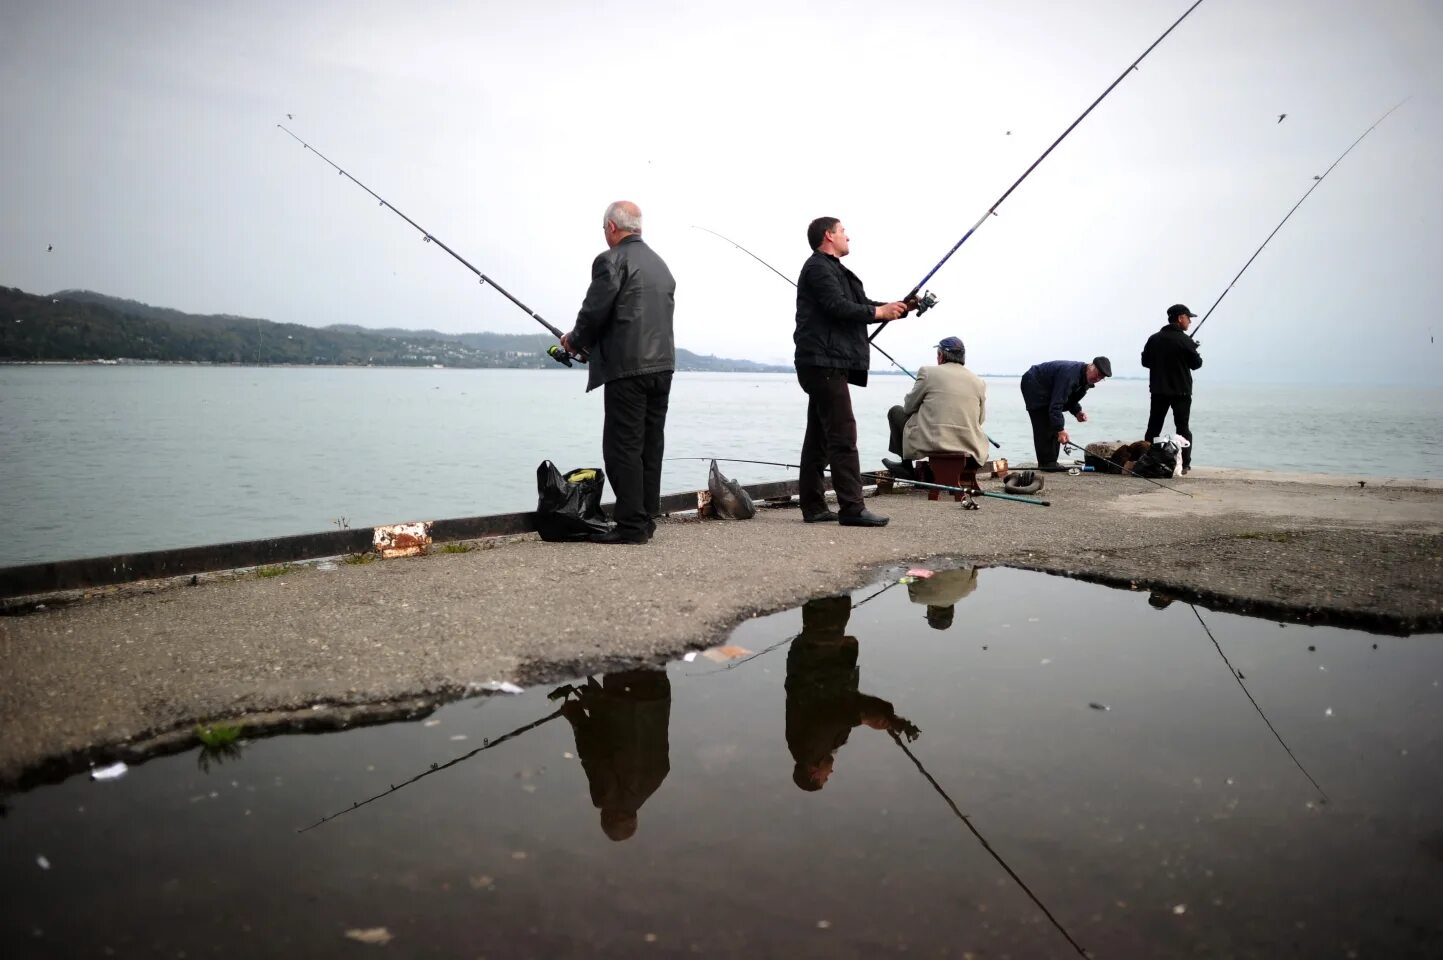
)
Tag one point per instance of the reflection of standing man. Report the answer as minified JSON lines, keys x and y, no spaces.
{"x":621,"y":729}
{"x":832,"y":352}
{"x":940,"y":592}
{"x":625,"y":328}
{"x":1171,"y":356}
{"x":823,"y":703}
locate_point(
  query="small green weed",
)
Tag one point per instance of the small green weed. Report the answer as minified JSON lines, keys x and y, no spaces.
{"x":457,"y":548}
{"x":276,"y":571}
{"x":218,"y":735}
{"x":1275,"y":536}
{"x":357,"y":559}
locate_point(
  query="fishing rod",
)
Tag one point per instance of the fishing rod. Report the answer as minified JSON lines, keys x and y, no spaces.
{"x":992,"y":210}
{"x":1237,"y":675}
{"x":967,"y":822}
{"x":878,"y":476}
{"x":1317,"y":182}
{"x":555,"y":351}
{"x":437,"y":768}
{"x":1069,"y":445}
{"x":793,"y":283}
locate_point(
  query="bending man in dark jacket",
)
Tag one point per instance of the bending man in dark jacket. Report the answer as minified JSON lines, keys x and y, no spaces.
{"x":1171,"y":356}
{"x":832,"y":351}
{"x":624,"y":327}
{"x":1052,"y":387}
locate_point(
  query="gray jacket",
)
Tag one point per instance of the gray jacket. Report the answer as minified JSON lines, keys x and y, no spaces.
{"x":625,"y":322}
{"x":946,"y":409}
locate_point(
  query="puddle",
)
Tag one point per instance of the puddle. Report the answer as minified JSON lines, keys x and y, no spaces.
{"x":793,"y":795}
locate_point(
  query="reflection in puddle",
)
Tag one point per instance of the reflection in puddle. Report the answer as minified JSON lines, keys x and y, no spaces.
{"x":997,"y":763}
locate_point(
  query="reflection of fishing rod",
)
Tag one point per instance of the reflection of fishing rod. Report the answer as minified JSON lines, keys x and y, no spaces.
{"x":877,"y":476}
{"x":437,"y":768}
{"x":992,"y":210}
{"x":555,"y":351}
{"x":1317,"y":182}
{"x":1128,"y":473}
{"x":1239,"y":678}
{"x":783,"y":643}
{"x":793,"y":283}
{"x":966,"y":822}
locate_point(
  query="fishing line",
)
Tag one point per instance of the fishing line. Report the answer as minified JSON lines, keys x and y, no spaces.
{"x":967,"y":822}
{"x":1317,"y":182}
{"x":1239,"y":678}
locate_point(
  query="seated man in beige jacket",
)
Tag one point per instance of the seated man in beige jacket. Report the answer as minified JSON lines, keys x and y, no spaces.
{"x":942,"y":415}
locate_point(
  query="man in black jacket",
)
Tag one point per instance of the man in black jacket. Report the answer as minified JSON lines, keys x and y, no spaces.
{"x":832,"y":351}
{"x":1171,"y":356}
{"x":624,"y":329}
{"x":1049,"y":389}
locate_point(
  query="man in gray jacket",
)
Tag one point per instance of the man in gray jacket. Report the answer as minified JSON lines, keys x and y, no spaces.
{"x":942,"y":414}
{"x":624,"y":329}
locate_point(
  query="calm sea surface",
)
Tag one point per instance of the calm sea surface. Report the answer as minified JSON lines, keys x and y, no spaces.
{"x":100,"y":460}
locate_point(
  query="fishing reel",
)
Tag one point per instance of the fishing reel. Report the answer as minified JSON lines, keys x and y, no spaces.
{"x":925,"y":302}
{"x":558,"y":353}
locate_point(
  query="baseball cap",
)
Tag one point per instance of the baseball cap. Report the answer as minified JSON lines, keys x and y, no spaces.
{"x":1103,"y":365}
{"x":950,"y":343}
{"x":1178,"y":310}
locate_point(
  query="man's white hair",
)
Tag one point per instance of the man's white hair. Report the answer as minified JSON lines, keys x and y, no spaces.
{"x":626,"y":215}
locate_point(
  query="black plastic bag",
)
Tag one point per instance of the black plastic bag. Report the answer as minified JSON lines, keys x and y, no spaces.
{"x":569,"y":507}
{"x":729,"y":500}
{"x":1158,"y":462}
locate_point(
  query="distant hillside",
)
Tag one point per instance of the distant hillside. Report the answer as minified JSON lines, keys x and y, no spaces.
{"x":83,"y":325}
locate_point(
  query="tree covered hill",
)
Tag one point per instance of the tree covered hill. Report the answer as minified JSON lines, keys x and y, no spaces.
{"x":78,"y":325}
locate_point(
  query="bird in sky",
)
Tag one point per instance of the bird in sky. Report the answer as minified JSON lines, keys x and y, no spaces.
{"x":1281,"y":116}
{"x":289,"y":117}
{"x":1009,"y":133}
{"x":49,"y":247}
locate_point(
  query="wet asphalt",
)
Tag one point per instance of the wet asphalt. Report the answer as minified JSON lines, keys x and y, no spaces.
{"x":106,"y":673}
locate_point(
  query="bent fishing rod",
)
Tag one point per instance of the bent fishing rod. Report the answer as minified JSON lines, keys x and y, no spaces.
{"x":967,"y":822}
{"x":1237,"y":675}
{"x":793,"y":283}
{"x":992,"y":210}
{"x":555,"y":352}
{"x":1317,"y":182}
{"x":437,"y":768}
{"x":878,"y":476}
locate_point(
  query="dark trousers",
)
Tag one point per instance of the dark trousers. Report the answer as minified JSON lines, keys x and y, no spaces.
{"x":1181,"y":411}
{"x":897,"y":420}
{"x":831,"y":439}
{"x":632,"y":443}
{"x":1044,"y":436}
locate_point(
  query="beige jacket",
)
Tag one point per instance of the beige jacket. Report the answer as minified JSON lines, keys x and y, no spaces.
{"x":945,"y":408}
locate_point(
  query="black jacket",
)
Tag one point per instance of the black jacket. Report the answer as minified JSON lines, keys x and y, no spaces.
{"x":832,"y":316}
{"x":1056,"y":385}
{"x":1170,"y":357}
{"x":625,"y":321}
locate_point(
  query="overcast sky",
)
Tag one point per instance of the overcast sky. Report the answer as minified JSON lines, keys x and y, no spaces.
{"x":140,"y":141}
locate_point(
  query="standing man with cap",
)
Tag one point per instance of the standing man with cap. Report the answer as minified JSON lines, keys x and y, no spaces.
{"x":1052,"y":387}
{"x":942,"y":414}
{"x":1171,"y":356}
{"x":832,"y":352}
{"x":624,"y":327}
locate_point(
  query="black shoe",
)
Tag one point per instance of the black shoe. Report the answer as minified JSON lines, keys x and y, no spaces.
{"x":864,"y":519}
{"x":616,"y":536}
{"x":824,"y":516}
{"x":901,"y":469}
{"x":1186,"y":469}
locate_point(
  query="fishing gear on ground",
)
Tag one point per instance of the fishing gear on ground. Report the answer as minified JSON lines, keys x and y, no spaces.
{"x":726,"y":499}
{"x":913,"y":296}
{"x":568,"y":506}
{"x":555,"y":351}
